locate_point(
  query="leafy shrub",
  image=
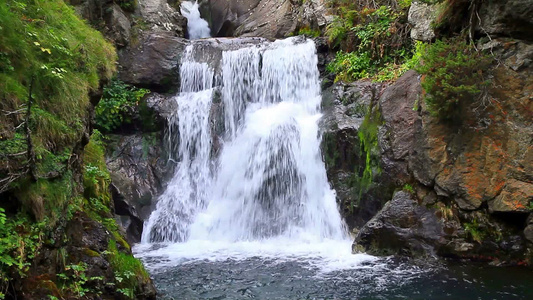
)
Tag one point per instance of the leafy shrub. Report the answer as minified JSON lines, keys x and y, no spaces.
{"x":117,"y":101}
{"x":350,"y":66}
{"x":453,"y":73}
{"x":309,"y":32}
{"x":373,"y":42}
{"x":20,"y":240}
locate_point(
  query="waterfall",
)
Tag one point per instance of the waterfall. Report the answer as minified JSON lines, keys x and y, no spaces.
{"x":190,"y":146}
{"x":269,"y":180}
{"x":197,"y":27}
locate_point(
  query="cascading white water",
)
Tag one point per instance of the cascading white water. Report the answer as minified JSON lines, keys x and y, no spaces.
{"x":197,"y":27}
{"x":271,"y":181}
{"x":266,"y":194}
{"x":190,"y":145}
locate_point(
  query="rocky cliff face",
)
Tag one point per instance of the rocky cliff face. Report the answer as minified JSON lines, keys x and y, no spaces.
{"x":470,"y":188}
{"x":460,"y":189}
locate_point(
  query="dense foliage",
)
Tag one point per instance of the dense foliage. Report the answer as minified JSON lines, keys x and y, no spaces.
{"x":118,"y":100}
{"x":372,"y":37}
{"x":51,"y":63}
{"x":453,"y":73}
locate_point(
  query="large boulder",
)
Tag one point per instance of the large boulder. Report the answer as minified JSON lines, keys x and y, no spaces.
{"x":420,"y":16}
{"x":477,"y":171}
{"x":154,"y":62}
{"x":401,"y":227}
{"x":117,"y":19}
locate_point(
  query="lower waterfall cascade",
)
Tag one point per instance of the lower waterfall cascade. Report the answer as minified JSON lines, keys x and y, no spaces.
{"x":269,"y":180}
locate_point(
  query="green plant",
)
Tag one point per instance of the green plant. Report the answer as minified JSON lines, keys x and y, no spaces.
{"x":408,"y":188}
{"x":20,"y":241}
{"x":313,"y":33}
{"x":129,"y":271}
{"x":117,"y":101}
{"x":474,"y":231}
{"x":453,"y":74}
{"x":379,"y":50}
{"x":75,"y":280}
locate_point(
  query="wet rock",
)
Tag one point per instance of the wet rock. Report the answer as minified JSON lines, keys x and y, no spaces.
{"x":528,"y":233}
{"x":401,"y":227}
{"x":345,"y":106}
{"x":420,"y":16}
{"x":154,"y":62}
{"x":138,"y":168}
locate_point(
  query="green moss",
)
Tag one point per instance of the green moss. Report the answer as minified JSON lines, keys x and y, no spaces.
{"x":331,"y":154}
{"x":91,"y":253}
{"x":474,"y":231}
{"x":46,"y":198}
{"x":96,"y":178}
{"x":313,"y":33}
{"x":369,"y":147}
{"x":364,"y":175}
{"x":408,"y":188}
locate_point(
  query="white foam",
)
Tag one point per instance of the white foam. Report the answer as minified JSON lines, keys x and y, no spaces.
{"x":197,"y":27}
{"x":325,"y":256}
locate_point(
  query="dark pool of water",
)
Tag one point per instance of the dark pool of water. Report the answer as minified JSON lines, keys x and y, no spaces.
{"x":257,"y":278}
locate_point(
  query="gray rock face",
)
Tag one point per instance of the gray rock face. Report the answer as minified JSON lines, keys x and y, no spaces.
{"x":420,"y":16}
{"x":161,"y":16}
{"x":507,"y":18}
{"x":397,"y":103}
{"x":121,"y":26}
{"x":154,"y":62}
{"x":265,"y":18}
{"x":224,"y":15}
